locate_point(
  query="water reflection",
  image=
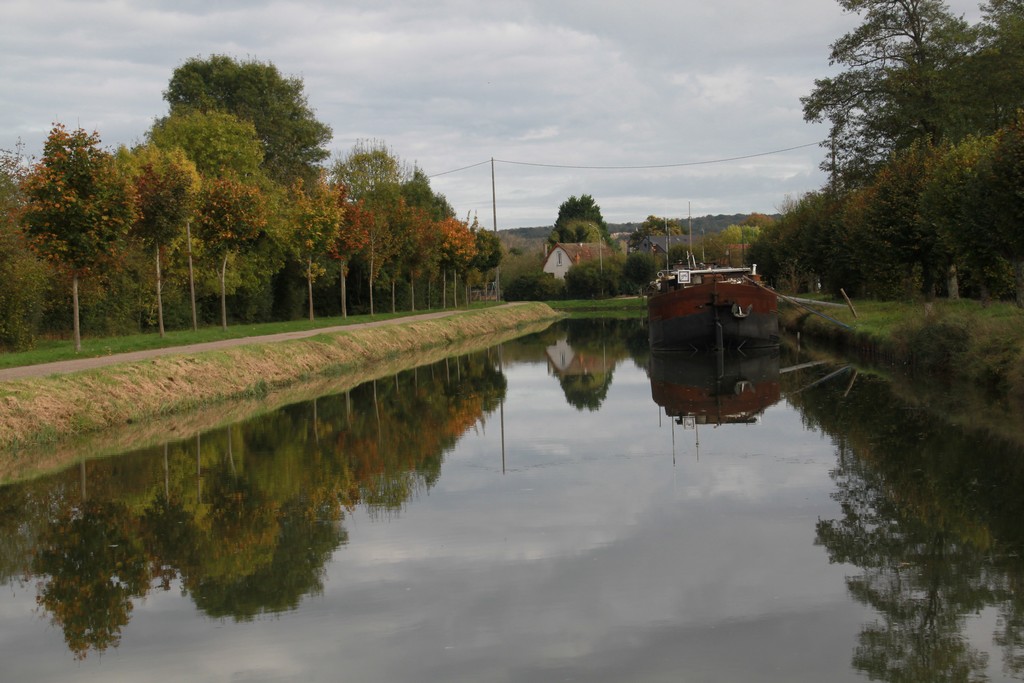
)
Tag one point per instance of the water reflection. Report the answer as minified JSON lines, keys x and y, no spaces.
{"x":592,"y":532}
{"x":931,"y":518}
{"x":241,"y":520}
{"x":715,"y":388}
{"x":584,"y":354}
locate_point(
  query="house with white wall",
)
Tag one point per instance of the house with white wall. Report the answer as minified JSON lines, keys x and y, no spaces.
{"x":562,"y":257}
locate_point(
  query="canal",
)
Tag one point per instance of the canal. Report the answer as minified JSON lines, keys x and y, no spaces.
{"x":562,"y":507}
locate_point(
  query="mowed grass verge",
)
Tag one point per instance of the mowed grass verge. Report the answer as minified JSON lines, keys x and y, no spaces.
{"x":58,"y":407}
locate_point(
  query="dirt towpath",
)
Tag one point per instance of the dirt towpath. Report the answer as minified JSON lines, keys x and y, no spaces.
{"x":77,"y":364}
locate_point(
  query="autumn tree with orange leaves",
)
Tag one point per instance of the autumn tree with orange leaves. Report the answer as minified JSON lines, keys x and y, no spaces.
{"x":458,"y":248}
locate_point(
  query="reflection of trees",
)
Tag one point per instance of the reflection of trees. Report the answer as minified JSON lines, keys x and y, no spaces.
{"x":243,"y":519}
{"x":94,"y":565}
{"x":930,"y":515}
{"x":597,"y":346}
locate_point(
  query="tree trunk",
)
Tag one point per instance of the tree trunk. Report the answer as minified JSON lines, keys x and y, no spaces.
{"x":74,"y":303}
{"x":412,"y":292}
{"x":344,"y":294}
{"x":392,"y":295}
{"x":444,"y":290}
{"x":371,"y":285}
{"x":159,"y":294}
{"x":455,"y":289}
{"x":953,"y":282}
{"x":309,"y":286}
{"x":191,"y":276}
{"x":223,"y":294}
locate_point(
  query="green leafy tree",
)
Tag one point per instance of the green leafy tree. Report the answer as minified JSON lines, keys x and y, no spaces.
{"x":292,"y":138}
{"x":79,"y":207}
{"x":895,"y":89}
{"x":1004,"y":170}
{"x":579,"y":220}
{"x":953,"y":200}
{"x":24,"y":275}
{"x":217,"y":142}
{"x":167,"y":186}
{"x":639,"y":271}
{"x":231,"y":216}
{"x":594,"y":279}
{"x":993,"y":79}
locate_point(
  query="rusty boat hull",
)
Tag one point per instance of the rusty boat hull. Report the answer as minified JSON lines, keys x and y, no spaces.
{"x":714,"y":314}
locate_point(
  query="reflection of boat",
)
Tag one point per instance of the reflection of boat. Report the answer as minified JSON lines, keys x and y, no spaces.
{"x":715,"y":388}
{"x":711,"y":308}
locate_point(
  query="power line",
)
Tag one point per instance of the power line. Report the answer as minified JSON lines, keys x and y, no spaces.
{"x":631,"y":168}
{"x":464,"y":168}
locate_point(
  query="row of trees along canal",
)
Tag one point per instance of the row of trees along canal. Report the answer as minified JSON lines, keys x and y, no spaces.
{"x":228,"y":196}
{"x":925,"y":156}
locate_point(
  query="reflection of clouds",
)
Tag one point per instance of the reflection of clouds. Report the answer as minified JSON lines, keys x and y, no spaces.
{"x":594,"y":541}
{"x":592,"y":557}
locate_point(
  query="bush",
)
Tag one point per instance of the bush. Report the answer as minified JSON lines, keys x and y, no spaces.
{"x":638,"y":272}
{"x":594,"y":280}
{"x":534,"y":287}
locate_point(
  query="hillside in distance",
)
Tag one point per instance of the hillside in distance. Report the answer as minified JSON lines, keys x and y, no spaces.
{"x":702,"y":225}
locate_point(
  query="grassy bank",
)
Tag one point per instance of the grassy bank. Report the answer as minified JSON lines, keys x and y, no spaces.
{"x":960,"y":340}
{"x":622,"y":306}
{"x":59,"y":408}
{"x":53,"y":350}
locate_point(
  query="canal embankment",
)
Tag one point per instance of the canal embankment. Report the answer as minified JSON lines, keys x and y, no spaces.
{"x":961,"y":341}
{"x":136,"y":403}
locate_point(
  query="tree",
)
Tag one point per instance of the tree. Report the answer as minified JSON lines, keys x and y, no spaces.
{"x":458,"y":249}
{"x":231,"y":216}
{"x":23,"y":274}
{"x":349,"y":239}
{"x":317,"y":216}
{"x":639,"y":270}
{"x":79,"y":207}
{"x":994,"y":75}
{"x":579,"y":220}
{"x":594,"y":280}
{"x":488,"y":250}
{"x":1004,"y":171}
{"x":218,"y":143}
{"x":292,"y":138}
{"x":417,"y":193}
{"x":655,"y":225}
{"x":167,"y":186}
{"x":372,"y":176}
{"x":895,"y":90}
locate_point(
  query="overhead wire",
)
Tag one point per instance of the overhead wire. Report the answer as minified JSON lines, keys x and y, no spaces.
{"x":628,"y":167}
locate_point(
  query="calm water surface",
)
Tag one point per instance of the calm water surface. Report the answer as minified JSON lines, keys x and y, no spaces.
{"x":560,"y":508}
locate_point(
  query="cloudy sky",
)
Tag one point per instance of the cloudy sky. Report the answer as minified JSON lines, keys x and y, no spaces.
{"x":564,"y":95}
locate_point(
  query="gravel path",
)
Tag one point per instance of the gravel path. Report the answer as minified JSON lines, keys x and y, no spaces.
{"x":66,"y":366}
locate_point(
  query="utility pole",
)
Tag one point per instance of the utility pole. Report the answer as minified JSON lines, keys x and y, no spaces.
{"x":494,"y":210}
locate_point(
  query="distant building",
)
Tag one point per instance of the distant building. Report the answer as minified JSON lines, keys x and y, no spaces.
{"x":659,"y":245}
{"x":562,"y":257}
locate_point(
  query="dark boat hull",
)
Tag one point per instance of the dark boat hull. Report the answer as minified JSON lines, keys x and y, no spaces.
{"x":713,"y":315}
